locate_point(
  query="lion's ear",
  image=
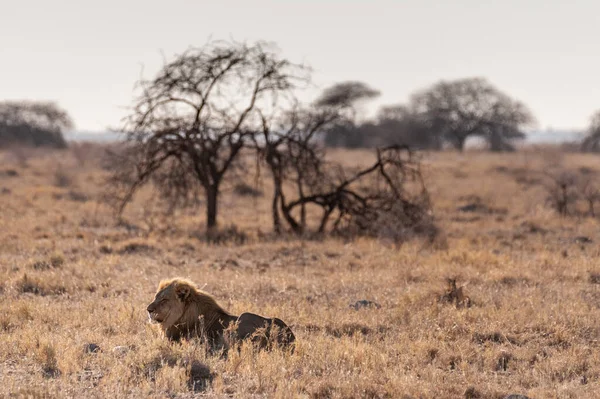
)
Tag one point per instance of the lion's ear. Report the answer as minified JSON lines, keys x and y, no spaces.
{"x":182,"y":292}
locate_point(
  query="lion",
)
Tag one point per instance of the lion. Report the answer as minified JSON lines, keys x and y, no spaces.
{"x":184,"y":311}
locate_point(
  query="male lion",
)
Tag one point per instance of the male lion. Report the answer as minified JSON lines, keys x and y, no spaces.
{"x":184,"y":311}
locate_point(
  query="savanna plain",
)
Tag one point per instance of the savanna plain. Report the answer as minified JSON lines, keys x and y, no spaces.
{"x":76,"y":282}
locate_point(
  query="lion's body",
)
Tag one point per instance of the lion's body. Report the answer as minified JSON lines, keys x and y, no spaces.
{"x":184,"y":311}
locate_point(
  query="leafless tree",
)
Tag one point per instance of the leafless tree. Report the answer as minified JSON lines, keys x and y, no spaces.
{"x":562,"y":189}
{"x":591,"y":143}
{"x":387,"y":195}
{"x":190,"y":123}
{"x":469,"y":107}
{"x":290,"y":148}
{"x":590,"y":192}
{"x":33,"y":124}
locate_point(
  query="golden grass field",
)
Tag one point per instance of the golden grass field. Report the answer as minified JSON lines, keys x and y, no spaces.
{"x":72,"y":276}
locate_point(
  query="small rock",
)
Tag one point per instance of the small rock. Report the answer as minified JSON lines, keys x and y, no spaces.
{"x":91,"y":348}
{"x":121,"y":350}
{"x":51,"y":372}
{"x":515,"y":396}
{"x":473,"y":207}
{"x":77,"y":196}
{"x":530,"y":227}
{"x":5,"y":190}
{"x":364,"y":303}
{"x":105,"y":249}
{"x":583,"y":240}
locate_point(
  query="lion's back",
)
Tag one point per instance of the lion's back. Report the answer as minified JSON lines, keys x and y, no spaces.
{"x":260,"y":329}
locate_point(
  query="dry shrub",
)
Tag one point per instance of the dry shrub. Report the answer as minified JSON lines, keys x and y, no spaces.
{"x":223,"y":236}
{"x":455,"y":295}
{"x":55,"y":261}
{"x":62,"y":178}
{"x":590,"y":192}
{"x":86,"y":152}
{"x":567,"y":188}
{"x":503,"y":360}
{"x":245,"y":190}
{"x":347,"y":330}
{"x":133,"y":247}
{"x":9,"y":173}
{"x":77,"y":196}
{"x":562,"y":191}
{"x":48,"y":360}
{"x":37,"y":287}
{"x":495,"y":337}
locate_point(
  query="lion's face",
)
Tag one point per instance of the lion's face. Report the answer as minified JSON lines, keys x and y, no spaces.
{"x":168,"y":305}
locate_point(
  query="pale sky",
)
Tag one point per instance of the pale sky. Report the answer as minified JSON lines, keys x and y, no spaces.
{"x":87,"y":55}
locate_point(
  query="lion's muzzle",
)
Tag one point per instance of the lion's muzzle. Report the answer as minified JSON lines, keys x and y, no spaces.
{"x":152,"y":315}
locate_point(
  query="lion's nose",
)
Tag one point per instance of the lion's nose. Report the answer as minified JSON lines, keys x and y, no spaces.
{"x":150,"y":308}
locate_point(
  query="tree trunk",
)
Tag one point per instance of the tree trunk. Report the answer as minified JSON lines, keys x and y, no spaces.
{"x":287,"y":214}
{"x":275,"y":209}
{"x":212,"y":195}
{"x":460,"y":143}
{"x":302,"y":206}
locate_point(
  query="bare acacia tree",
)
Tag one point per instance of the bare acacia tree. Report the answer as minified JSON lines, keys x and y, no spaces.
{"x":191,"y":121}
{"x":390,"y":192}
{"x":469,"y":107}
{"x":33,"y":123}
{"x":291,"y":151}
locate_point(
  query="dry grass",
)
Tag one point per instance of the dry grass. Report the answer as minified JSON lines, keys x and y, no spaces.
{"x":73,"y":276}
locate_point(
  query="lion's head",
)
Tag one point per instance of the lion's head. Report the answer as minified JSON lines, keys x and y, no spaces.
{"x":169,"y":302}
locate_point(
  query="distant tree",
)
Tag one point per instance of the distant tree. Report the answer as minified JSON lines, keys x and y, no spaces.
{"x":33,"y":124}
{"x":591,"y":143}
{"x":345,"y":97}
{"x":346,"y":94}
{"x":469,"y":107}
{"x":190,"y":122}
{"x":346,"y":134}
{"x":394,"y":125}
{"x":398,"y":124}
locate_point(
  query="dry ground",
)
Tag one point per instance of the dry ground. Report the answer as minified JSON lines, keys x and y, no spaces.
{"x":72,"y":277}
